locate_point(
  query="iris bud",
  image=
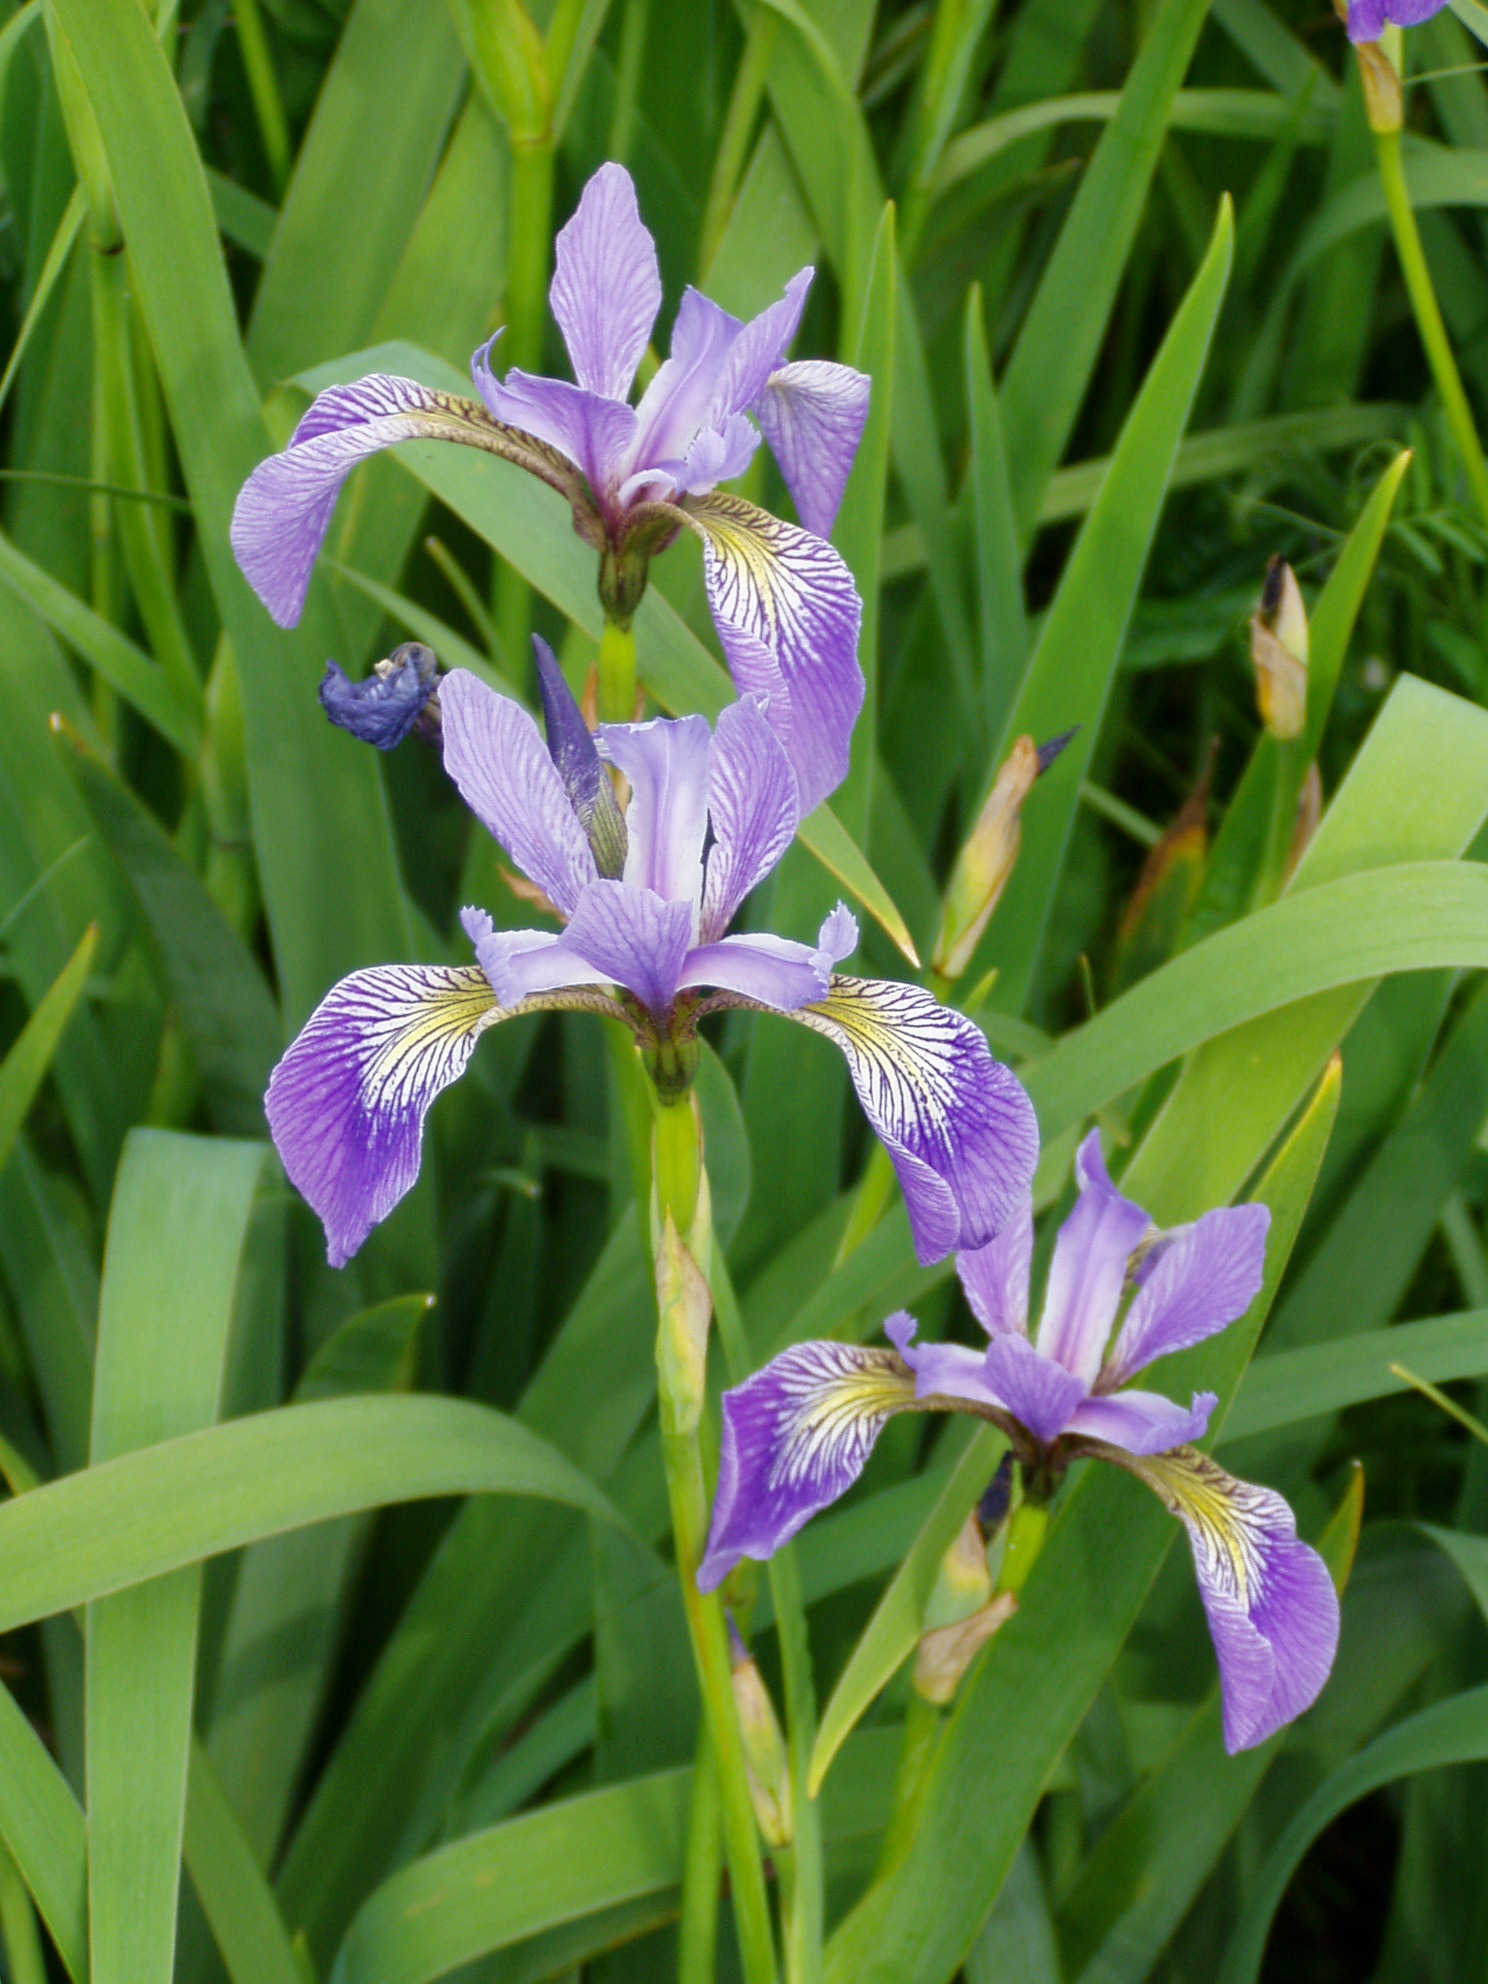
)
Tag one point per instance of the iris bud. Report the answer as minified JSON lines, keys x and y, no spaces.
{"x":765,"y":1761}
{"x":685,"y":1308}
{"x":1278,"y":648}
{"x":985,"y":862}
{"x":961,"y":1616}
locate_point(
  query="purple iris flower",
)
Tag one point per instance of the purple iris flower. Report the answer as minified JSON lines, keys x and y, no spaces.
{"x":1368,"y":19}
{"x":783,"y":601}
{"x":798,"y":1433}
{"x":645,"y":897}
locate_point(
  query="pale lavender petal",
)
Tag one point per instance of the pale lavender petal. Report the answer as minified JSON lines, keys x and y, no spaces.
{"x":838,"y":935}
{"x":713,"y":456}
{"x":1272,"y":1608}
{"x":675,"y":403}
{"x":606,"y":286}
{"x":942,"y":1370}
{"x":494,"y":754}
{"x":960,"y":1130}
{"x":1196,"y":1281}
{"x":1037,"y":1391}
{"x":1088,"y":1268}
{"x":666,"y":762}
{"x":812,"y":414}
{"x":995,"y":1277}
{"x":346,"y":1104}
{"x":1143,"y":1422}
{"x":633,"y":938}
{"x":788,"y":616}
{"x":595,"y":433}
{"x":752,"y":809}
{"x":521,"y":963}
{"x":585,"y":781}
{"x":773,"y":971}
{"x":1367,"y":19}
{"x":796,"y":1436}
{"x":757,"y":351}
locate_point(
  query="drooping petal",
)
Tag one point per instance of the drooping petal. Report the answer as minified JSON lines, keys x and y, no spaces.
{"x":757,"y":351}
{"x":674,"y":405}
{"x":606,"y":287}
{"x":1143,"y":1422}
{"x":666,"y":762}
{"x":769,"y":971}
{"x":752,"y":808}
{"x":812,"y":415}
{"x":594,"y":433}
{"x":1196,"y":1281}
{"x":1038,"y":1392}
{"x":522,"y":963}
{"x":585,"y":780}
{"x":995,"y":1277}
{"x":494,"y":754}
{"x":796,"y":1436}
{"x":960,"y":1130}
{"x":384,"y":706}
{"x":634,"y":938}
{"x":1272,"y":1609}
{"x":942,"y":1370}
{"x":788,"y":616}
{"x":284,"y":508}
{"x":1088,"y":1268}
{"x":346,"y":1104}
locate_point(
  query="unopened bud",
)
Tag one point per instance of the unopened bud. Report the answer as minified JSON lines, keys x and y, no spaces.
{"x":1381,"y":80}
{"x":945,"y":1654}
{"x":985,"y":862}
{"x":765,"y":1762}
{"x":684,"y":1307}
{"x":1278,"y":648}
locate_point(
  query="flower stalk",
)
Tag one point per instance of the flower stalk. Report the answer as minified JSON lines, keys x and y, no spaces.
{"x":617,"y":672}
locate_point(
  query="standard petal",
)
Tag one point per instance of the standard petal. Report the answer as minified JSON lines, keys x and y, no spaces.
{"x":995,"y":1277}
{"x":666,"y":762}
{"x":1037,"y":1391}
{"x":519,"y":964}
{"x":942,"y":1370}
{"x":812,"y":414}
{"x":284,"y":508}
{"x":632,"y":938}
{"x":1272,"y":1609}
{"x":788,"y":616}
{"x":757,"y":351}
{"x":796,"y":1436}
{"x":585,"y":781}
{"x":1196,"y":1281}
{"x":768,"y":971}
{"x":606,"y":287}
{"x":676,"y":402}
{"x":1089,"y":1267}
{"x":346,"y":1104}
{"x":957,"y":1124}
{"x":594,"y":433}
{"x":752,"y":809}
{"x":1143,"y":1422}
{"x":494,"y":754}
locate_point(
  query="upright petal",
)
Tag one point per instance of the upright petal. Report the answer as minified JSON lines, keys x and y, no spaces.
{"x":1143,"y":1422}
{"x":1039,"y":1393}
{"x":1196,"y":1281}
{"x":666,"y":762}
{"x":676,"y":402}
{"x":757,"y":351}
{"x":995,"y":1277}
{"x":767,"y":970}
{"x":752,"y":808}
{"x":960,"y":1130}
{"x":284,"y":508}
{"x":1089,"y":1267}
{"x":494,"y":754}
{"x":585,"y":781}
{"x":1273,"y":1612}
{"x":606,"y":286}
{"x":716,"y":454}
{"x":796,"y":1436}
{"x":812,"y":414}
{"x":788,"y":616}
{"x":346,"y":1104}
{"x":632,"y":938}
{"x":594,"y":433}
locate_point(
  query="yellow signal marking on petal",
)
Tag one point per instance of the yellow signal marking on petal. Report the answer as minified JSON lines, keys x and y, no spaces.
{"x":1222,"y":1509}
{"x":839,"y":1406}
{"x":436,"y":1017}
{"x":893,"y":1031}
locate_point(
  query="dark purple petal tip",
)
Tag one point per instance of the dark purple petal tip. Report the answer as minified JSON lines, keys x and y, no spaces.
{"x":383,"y":707}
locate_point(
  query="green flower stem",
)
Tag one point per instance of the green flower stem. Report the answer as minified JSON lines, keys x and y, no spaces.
{"x":701,"y":1872}
{"x":916,"y":1750}
{"x":1428,"y":315}
{"x":1026,"y":1533}
{"x":617,"y":672}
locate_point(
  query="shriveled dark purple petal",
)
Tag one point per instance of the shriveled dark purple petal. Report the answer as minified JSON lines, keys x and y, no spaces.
{"x":942,"y":1370}
{"x":666,"y":762}
{"x":606,"y":287}
{"x":1195,"y":1282}
{"x":346,"y":1104}
{"x":757,"y":351}
{"x":633,"y":938}
{"x":959,"y":1128}
{"x":812,"y":415}
{"x":772,"y":971}
{"x":1143,"y":1422}
{"x":494,"y":754}
{"x":593,"y":432}
{"x":796,"y":1436}
{"x":519,"y":964}
{"x":995,"y":1277}
{"x":788,"y":616}
{"x":1272,"y":1609}
{"x":1037,"y":1391}
{"x":752,"y":808}
{"x":676,"y":402}
{"x":381,"y":709}
{"x":585,"y":780}
{"x":1088,"y":1268}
